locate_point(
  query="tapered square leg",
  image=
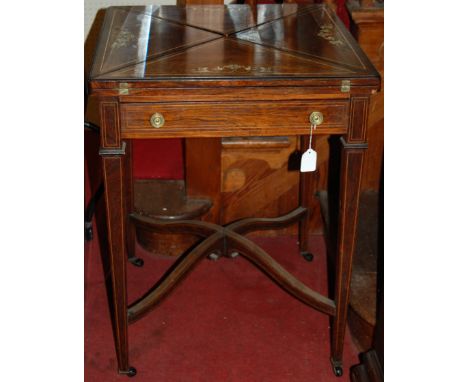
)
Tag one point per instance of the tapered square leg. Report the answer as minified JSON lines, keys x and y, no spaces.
{"x":129,"y":201}
{"x":114,"y":192}
{"x":352,"y":158}
{"x":306,"y":182}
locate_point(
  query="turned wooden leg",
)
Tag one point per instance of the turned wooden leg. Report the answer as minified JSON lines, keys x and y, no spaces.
{"x":306,"y":180}
{"x":352,"y":157}
{"x":114,"y":191}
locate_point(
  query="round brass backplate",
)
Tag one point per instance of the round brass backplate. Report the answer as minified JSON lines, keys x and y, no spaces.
{"x":316,"y":118}
{"x":157,"y":120}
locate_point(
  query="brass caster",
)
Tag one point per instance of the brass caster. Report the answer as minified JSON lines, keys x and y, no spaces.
{"x":213,"y":256}
{"x":136,"y":261}
{"x":307,"y":256}
{"x":88,"y":231}
{"x":338,"y":370}
{"x":131,"y":372}
{"x":337,"y":367}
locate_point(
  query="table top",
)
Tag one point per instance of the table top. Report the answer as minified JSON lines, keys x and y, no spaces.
{"x":227,"y":42}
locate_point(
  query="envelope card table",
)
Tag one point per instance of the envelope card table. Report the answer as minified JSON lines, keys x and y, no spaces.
{"x":228,"y":71}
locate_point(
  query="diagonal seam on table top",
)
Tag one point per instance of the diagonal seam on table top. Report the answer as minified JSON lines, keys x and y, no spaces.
{"x":232,"y":36}
{"x":304,"y":8}
{"x":187,"y":46}
{"x":340,"y":64}
{"x":305,"y":59}
{"x":155,"y":56}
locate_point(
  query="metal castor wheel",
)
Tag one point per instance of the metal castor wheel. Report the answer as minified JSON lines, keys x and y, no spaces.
{"x":215,"y":255}
{"x":307,"y":256}
{"x":136,"y":261}
{"x":233,"y":255}
{"x":88,"y":231}
{"x":131,"y":372}
{"x":338,"y":370}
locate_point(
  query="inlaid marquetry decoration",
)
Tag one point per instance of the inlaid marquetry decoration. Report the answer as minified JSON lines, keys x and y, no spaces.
{"x":269,"y":41}
{"x":232,"y":68}
{"x":329,"y":33}
{"x":219,"y":76}
{"x":124,"y":39}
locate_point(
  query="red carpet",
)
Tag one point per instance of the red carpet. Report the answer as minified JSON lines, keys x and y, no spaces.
{"x":227,"y":321}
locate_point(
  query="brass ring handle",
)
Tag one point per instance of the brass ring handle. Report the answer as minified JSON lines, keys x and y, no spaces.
{"x":316,"y":118}
{"x":157,"y":120}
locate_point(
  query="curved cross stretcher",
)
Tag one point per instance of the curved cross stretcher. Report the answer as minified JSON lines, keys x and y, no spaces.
{"x":224,"y":238}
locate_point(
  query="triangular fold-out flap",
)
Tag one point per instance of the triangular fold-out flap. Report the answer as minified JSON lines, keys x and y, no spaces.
{"x":267,"y":13}
{"x":135,"y":37}
{"x":312,"y":32}
{"x":244,"y":60}
{"x":215,"y":18}
{"x":226,"y":19}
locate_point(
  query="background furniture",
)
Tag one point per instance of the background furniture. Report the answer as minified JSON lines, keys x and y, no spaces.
{"x":368,"y":27}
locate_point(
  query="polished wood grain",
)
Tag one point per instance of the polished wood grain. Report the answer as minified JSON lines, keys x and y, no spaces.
{"x":306,"y":199}
{"x":352,"y":158}
{"x":129,"y":200}
{"x":114,"y":197}
{"x":215,"y":235}
{"x":203,"y":173}
{"x":109,"y":121}
{"x":159,"y":42}
{"x":132,"y":37}
{"x":197,"y":94}
{"x":225,"y":20}
{"x":368,"y":28}
{"x":166,"y":200}
{"x":260,"y":177}
{"x":256,"y":179}
{"x":373,"y":163}
{"x":181,"y":3}
{"x":247,"y":225}
{"x":285,"y":279}
{"x":144,"y":64}
{"x":180,"y":269}
{"x":228,"y":119}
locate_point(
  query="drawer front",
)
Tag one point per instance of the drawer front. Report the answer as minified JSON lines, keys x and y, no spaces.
{"x":232,"y":119}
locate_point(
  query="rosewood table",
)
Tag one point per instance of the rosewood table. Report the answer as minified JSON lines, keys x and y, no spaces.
{"x":220,"y":71}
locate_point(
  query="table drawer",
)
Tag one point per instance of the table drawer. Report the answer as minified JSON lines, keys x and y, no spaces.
{"x":231,"y":119}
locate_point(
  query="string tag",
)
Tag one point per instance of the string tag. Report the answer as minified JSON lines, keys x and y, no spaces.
{"x":309,"y":158}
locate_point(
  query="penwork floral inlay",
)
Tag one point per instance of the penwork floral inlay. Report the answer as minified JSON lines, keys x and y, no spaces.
{"x":329,"y":33}
{"x":124,"y":39}
{"x":233,"y":68}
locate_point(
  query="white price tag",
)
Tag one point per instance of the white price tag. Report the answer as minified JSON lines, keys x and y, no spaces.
{"x":309,"y":161}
